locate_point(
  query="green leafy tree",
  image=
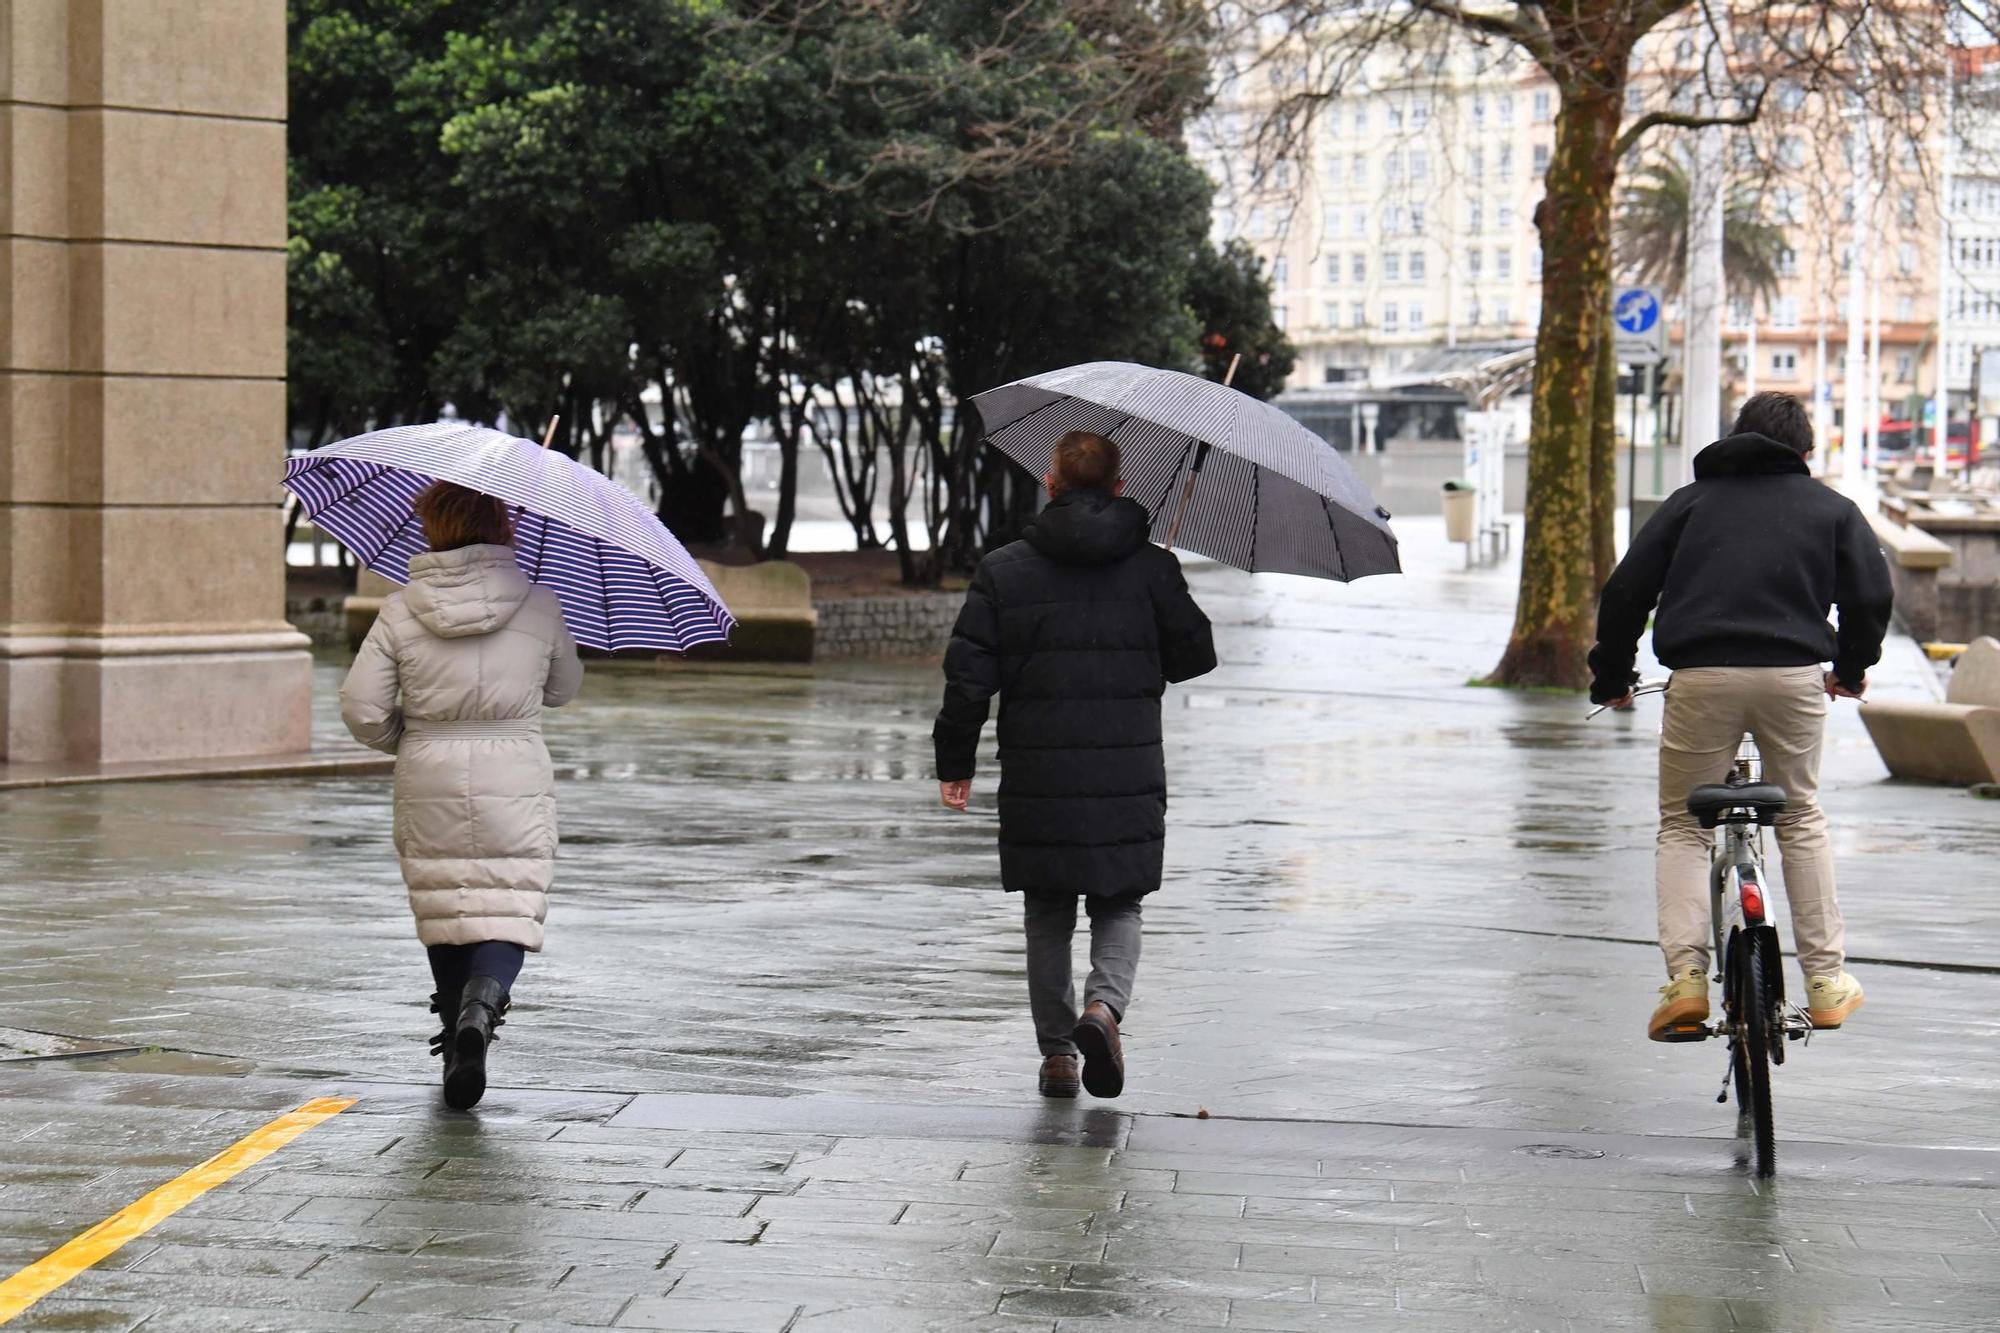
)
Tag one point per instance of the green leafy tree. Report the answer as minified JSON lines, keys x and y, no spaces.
{"x":1229,"y":293}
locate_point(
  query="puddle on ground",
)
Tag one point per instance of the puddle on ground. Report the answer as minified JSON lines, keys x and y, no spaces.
{"x":29,"y":1049}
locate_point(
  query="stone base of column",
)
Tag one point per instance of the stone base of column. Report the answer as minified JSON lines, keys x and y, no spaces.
{"x":122,"y":699}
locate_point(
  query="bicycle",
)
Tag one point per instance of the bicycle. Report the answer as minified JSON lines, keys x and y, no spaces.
{"x":1747,"y":956}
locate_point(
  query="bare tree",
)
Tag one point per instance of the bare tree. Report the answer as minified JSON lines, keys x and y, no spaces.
{"x":1695,"y":64}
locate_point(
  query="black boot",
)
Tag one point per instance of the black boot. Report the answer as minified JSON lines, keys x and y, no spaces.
{"x":482,"y":1009}
{"x":446,"y":1008}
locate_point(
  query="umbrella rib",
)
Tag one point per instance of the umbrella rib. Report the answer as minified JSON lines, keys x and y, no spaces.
{"x":381,"y":470}
{"x":1175,"y":475}
{"x":604,"y":582}
{"x":390,"y":540}
{"x":541,"y":546}
{"x":1256,"y":498}
{"x":1334,"y":528}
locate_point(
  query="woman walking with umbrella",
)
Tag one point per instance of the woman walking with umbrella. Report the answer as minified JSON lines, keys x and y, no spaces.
{"x":452,"y":680}
{"x":513,"y":555}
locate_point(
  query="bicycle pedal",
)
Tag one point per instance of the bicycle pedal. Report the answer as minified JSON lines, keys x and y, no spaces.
{"x":1683,"y":1032}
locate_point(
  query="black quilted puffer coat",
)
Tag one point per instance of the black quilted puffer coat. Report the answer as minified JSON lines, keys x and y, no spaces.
{"x":1078,"y":627}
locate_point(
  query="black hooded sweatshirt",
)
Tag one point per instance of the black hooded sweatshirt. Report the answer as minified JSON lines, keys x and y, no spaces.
{"x":1078,"y":627}
{"x":1744,"y":564}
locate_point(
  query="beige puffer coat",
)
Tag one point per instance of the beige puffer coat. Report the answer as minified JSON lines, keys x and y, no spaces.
{"x":452,"y":681}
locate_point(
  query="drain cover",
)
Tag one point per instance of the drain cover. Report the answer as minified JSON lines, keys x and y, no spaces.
{"x":1559,"y":1150}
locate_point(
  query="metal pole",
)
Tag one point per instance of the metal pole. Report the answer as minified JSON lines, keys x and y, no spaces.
{"x":1854,"y":367}
{"x":1941,"y":396}
{"x":1659,"y":430}
{"x":1632,"y":451}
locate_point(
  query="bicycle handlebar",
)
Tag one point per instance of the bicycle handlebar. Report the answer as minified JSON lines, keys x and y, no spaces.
{"x":1642,"y":688}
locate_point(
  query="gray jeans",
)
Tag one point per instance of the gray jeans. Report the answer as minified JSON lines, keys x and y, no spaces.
{"x":1114,"y":962}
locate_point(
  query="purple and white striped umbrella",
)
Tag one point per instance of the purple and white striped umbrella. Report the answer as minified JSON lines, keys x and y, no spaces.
{"x":624,"y":581}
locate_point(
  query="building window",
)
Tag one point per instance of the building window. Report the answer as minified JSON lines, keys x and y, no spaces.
{"x":1479,"y":111}
{"x":1333,"y":270}
{"x":1416,"y":266}
{"x":1788,"y":262}
{"x":1475,"y":218}
{"x":1392,"y":220}
{"x":1503,"y":313}
{"x":1506,"y":161}
{"x":1503,"y":263}
{"x":1420,"y":166}
{"x":1475,"y":165}
{"x":1541,"y":110}
{"x":1256,"y":224}
{"x":1906,"y":208}
{"x":1785,"y":364}
{"x":1506,"y":215}
{"x":1283,"y":172}
{"x":1635,"y":99}
{"x":1416,"y":317}
{"x":1906,"y":367}
{"x":1358,"y":315}
{"x":1506,"y":108}
{"x":1739,"y":312}
{"x":1395,"y":116}
{"x":1420,"y":114}
{"x":1359,"y":221}
{"x":1906,"y":309}
{"x":1535,"y":263}
{"x":1357,"y":173}
{"x":1281,"y":271}
{"x":1541,"y":159}
{"x":1392,"y":168}
{"x":1473,"y":259}
{"x":1278,"y":314}
{"x":1416,"y":219}
{"x":1906,"y":259}
{"x":1785,"y":313}
{"x":1361,"y":119}
{"x":1389,"y":317}
{"x":1332,"y":322}
{"x":1358,"y":269}
{"x":1392,"y":267}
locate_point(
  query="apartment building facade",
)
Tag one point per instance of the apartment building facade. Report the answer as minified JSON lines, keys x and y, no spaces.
{"x":1405,"y":222}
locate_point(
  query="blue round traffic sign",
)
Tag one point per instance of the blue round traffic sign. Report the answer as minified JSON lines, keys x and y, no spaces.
{"x":1636,"y":310}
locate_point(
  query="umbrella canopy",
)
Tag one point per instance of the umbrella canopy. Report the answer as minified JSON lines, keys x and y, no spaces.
{"x":1271,"y":495}
{"x":624,"y":581}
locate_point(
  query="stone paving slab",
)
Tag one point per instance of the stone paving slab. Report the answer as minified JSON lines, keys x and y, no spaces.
{"x":398,"y":1214}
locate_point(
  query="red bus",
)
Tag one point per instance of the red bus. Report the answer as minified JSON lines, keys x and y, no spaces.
{"x":1897,"y":442}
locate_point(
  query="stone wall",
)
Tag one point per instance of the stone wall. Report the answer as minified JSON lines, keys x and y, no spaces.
{"x":142,"y":392}
{"x":915,"y":625}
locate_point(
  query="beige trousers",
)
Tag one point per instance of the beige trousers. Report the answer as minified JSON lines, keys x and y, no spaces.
{"x":1708,"y":710}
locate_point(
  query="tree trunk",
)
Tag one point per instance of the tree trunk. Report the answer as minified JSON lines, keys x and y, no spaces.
{"x":1553,"y":620}
{"x":1604,"y":457}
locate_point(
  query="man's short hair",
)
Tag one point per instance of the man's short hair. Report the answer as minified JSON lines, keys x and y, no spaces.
{"x":1779,"y":416}
{"x":1086,"y":462}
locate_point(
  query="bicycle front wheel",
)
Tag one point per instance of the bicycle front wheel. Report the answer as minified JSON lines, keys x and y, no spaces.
{"x":1755,"y":1034}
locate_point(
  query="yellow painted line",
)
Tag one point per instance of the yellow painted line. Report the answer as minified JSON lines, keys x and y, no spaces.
{"x":49,"y":1272}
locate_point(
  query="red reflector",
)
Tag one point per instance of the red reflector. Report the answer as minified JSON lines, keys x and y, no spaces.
{"x":1753,"y":903}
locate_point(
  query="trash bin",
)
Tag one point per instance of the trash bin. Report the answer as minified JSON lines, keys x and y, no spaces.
{"x":1460,"y":510}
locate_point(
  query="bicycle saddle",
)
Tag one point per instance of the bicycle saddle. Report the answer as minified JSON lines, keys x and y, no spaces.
{"x":1710,"y":803}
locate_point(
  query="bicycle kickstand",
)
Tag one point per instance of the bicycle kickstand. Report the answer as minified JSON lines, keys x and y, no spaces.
{"x":1722,"y":1098}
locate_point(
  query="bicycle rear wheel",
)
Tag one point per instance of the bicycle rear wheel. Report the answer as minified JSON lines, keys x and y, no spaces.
{"x":1756,"y":1032}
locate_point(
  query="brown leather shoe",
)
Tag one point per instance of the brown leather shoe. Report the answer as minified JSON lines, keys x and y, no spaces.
{"x":1096,"y":1036}
{"x":1058,"y":1077}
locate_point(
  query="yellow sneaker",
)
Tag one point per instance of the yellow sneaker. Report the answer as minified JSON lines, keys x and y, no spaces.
{"x":1829,"y":1000}
{"x":1683,"y":1008}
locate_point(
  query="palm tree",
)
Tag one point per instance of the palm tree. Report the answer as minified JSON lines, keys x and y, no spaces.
{"x":1651,"y":231}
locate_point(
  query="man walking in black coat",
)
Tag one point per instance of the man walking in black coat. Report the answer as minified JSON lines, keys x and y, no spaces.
{"x":1744,"y":565}
{"x":1078,"y":627}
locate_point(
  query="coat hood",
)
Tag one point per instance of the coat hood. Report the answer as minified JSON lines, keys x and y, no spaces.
{"x":1748,"y":455}
{"x":472,"y":590}
{"x":1088,"y":528}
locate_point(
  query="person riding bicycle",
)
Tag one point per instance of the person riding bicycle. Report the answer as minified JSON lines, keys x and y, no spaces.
{"x":1743,"y":565}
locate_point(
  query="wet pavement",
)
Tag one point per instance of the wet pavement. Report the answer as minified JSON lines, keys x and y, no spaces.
{"x":775,"y":1071}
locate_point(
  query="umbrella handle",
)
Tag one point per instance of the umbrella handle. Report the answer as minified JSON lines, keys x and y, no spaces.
{"x":1187,"y":489}
{"x":550,"y":434}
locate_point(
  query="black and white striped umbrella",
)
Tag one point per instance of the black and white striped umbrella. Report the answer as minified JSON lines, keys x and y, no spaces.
{"x":1268,"y":494}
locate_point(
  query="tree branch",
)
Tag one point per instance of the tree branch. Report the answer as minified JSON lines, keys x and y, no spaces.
{"x":1514,"y":30}
{"x":1687,"y":120}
